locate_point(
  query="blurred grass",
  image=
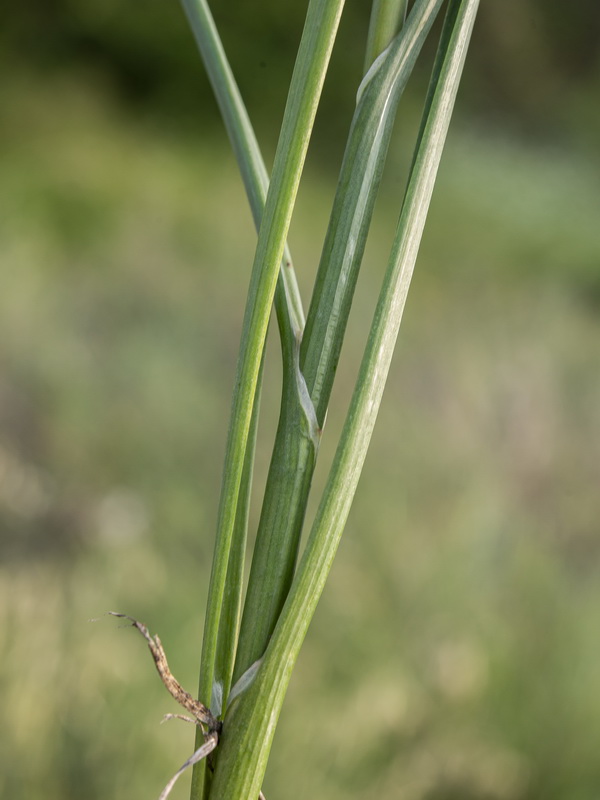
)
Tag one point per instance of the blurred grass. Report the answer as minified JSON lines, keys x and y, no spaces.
{"x":455,"y":651}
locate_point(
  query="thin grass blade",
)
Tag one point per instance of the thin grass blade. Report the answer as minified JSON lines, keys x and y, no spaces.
{"x":290,"y":317}
{"x":232,"y":597}
{"x":307,"y":81}
{"x":282,"y":515}
{"x":244,"y":143}
{"x":252,"y":717}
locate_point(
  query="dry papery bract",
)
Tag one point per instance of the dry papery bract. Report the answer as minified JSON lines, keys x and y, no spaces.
{"x":200,"y":714}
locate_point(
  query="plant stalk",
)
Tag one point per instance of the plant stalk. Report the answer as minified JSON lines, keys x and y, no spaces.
{"x":299,"y":429}
{"x":305,"y":89}
{"x":252,"y":717}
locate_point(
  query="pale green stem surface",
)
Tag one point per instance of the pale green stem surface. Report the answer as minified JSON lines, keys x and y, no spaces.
{"x":387,"y":17}
{"x":305,"y":89}
{"x":252,"y":717}
{"x":294,"y":454}
{"x":230,"y":614}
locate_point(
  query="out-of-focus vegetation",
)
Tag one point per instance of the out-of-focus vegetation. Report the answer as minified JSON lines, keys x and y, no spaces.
{"x":532,"y":63}
{"x":456,"y":647}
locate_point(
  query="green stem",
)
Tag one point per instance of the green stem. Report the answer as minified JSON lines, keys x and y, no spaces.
{"x":289,"y":314}
{"x":282,"y":515}
{"x":230,"y":614}
{"x":287,"y":298}
{"x":252,"y":717}
{"x":305,"y":89}
{"x":298,"y":433}
{"x":387,"y":17}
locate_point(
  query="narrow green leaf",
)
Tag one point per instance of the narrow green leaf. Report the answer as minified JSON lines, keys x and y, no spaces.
{"x":245,"y":146}
{"x":252,"y":717}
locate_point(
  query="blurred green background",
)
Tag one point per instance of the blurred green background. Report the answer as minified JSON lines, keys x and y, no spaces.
{"x":455,"y":652}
